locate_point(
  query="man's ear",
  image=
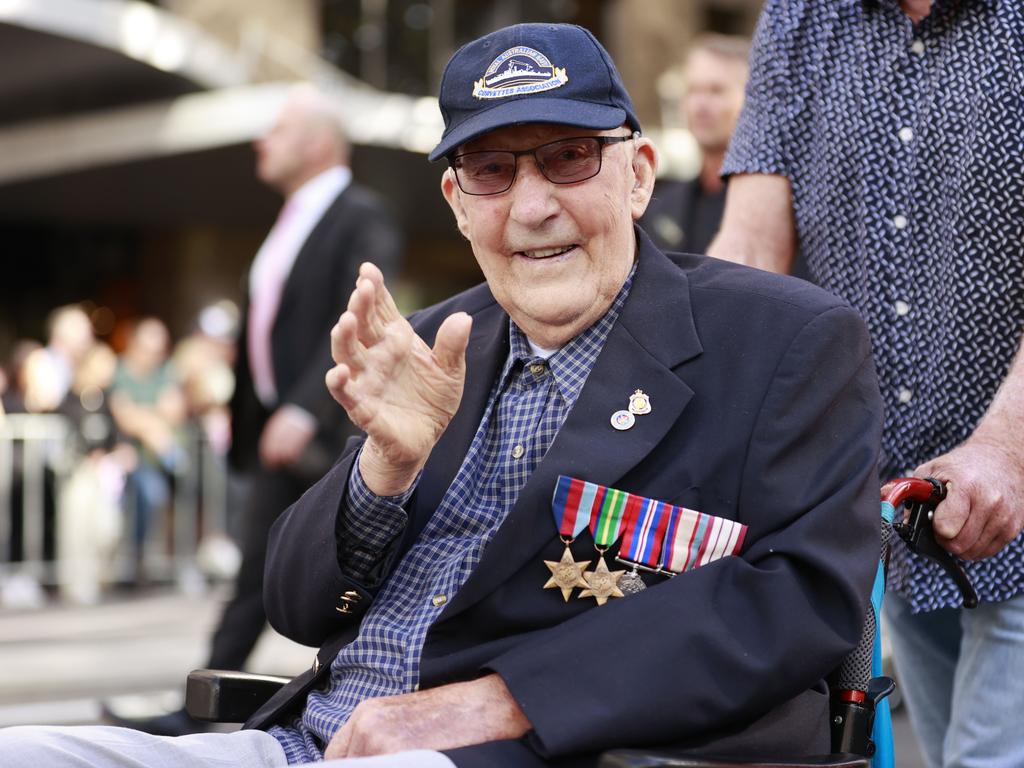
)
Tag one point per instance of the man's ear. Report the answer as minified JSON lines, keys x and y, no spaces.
{"x":452,"y":193}
{"x":645,"y":168}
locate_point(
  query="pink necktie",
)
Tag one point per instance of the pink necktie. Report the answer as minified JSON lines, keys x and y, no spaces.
{"x":264,"y":299}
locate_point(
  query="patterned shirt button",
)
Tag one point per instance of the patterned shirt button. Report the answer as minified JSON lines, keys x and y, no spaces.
{"x":899,"y":221}
{"x":917,"y":46}
{"x":439,"y":600}
{"x":902,"y":308}
{"x":906,"y":135}
{"x":518,"y":451}
{"x":906,"y":395}
{"x":537,"y":369}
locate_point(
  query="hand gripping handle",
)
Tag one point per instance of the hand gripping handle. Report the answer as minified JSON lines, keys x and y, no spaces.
{"x":921,"y":497}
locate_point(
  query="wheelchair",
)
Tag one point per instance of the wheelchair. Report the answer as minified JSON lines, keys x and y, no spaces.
{"x":859,"y":714}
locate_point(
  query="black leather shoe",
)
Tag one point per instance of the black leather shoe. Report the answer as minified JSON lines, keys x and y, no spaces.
{"x":177,"y":723}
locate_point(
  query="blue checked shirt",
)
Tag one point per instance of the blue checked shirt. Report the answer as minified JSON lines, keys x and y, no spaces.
{"x":527,"y":406}
{"x":904,"y":145}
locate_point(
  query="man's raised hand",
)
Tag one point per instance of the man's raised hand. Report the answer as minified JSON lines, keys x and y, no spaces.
{"x":393,"y":386}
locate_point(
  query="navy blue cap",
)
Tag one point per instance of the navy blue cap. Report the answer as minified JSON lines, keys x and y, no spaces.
{"x":531,"y":73}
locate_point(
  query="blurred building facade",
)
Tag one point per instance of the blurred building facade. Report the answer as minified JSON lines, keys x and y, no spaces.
{"x":126,"y":177}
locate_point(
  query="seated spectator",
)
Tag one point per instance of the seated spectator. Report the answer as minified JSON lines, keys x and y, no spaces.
{"x":148,"y":408}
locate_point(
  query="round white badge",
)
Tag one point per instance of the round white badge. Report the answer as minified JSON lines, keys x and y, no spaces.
{"x":623,"y":420}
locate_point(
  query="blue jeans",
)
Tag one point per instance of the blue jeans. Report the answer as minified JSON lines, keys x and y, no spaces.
{"x":961,"y":672}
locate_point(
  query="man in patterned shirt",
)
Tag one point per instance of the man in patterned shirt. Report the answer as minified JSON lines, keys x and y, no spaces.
{"x":885,"y":139}
{"x":745,"y":402}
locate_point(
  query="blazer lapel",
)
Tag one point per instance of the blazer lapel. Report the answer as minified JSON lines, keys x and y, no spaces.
{"x":485,"y":355}
{"x":654,"y":334}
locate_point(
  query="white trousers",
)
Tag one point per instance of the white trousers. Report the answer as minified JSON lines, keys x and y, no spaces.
{"x":102,"y":746}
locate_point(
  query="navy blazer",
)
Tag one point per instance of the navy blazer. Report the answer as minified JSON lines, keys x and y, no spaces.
{"x":765,"y":410}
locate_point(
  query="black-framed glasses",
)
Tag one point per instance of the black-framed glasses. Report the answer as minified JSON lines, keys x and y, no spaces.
{"x":566,"y":161}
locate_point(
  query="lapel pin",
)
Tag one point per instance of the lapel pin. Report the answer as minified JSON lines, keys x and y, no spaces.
{"x":639,"y":403}
{"x":623,"y":420}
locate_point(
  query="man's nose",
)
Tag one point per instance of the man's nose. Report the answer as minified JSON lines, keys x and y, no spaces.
{"x":533,"y":199}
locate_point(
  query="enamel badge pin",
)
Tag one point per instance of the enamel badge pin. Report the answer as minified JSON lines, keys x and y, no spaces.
{"x":639,"y":403}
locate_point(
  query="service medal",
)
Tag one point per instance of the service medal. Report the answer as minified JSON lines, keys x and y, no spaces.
{"x":631,"y":582}
{"x":602,"y":583}
{"x":645,"y":526}
{"x":567,"y":574}
{"x":571,"y":506}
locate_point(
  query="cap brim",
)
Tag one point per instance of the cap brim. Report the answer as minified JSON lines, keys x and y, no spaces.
{"x":582,"y":114}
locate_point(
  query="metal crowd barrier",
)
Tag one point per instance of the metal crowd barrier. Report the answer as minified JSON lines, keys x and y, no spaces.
{"x":39,"y":455}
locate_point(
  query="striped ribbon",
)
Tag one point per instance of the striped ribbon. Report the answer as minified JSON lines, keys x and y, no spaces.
{"x":696,"y":539}
{"x":654,"y":533}
{"x":606,"y":523}
{"x":572,"y":505}
{"x":645,"y":533}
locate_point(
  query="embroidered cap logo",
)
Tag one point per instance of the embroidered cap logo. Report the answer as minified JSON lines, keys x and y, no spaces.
{"x":519,"y":71}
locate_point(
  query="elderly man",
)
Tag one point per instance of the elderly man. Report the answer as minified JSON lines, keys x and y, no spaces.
{"x":711,"y":426}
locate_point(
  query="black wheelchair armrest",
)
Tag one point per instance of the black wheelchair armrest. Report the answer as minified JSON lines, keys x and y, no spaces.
{"x":639,"y":758}
{"x":222,"y":696}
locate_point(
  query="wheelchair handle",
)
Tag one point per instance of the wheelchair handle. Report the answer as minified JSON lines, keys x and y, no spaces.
{"x":921,"y":497}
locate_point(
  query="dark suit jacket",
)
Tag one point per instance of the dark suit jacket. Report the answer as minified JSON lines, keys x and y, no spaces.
{"x":355,"y":228}
{"x":765,"y":410}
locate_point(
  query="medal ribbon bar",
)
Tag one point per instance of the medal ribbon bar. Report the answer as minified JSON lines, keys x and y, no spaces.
{"x":694,"y":539}
{"x":572,"y":505}
{"x":655,"y":535}
{"x":645,"y":533}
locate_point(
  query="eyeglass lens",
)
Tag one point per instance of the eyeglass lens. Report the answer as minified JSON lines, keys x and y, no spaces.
{"x":562,"y":162}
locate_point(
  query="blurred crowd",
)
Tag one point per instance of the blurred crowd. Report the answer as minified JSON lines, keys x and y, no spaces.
{"x":129,"y":422}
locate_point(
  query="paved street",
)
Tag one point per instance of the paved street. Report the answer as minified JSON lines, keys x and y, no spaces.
{"x":56,"y":664}
{"x":59,"y":662}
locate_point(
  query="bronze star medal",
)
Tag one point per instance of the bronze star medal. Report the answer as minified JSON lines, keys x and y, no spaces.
{"x":602,"y":583}
{"x":567,"y":574}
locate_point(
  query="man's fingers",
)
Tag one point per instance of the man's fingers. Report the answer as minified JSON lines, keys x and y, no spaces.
{"x":345,"y":345}
{"x":336,"y":379}
{"x":998,"y":530}
{"x":451,"y":341}
{"x":372,"y":305}
{"x":363,"y":305}
{"x":952,"y":513}
{"x":384,"y":302}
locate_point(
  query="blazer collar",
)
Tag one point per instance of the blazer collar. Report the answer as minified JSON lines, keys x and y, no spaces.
{"x":485,"y":355}
{"x":654,"y":334}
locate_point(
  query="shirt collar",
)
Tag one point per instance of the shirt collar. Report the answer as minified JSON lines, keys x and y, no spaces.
{"x":572,"y":363}
{"x":322,"y":188}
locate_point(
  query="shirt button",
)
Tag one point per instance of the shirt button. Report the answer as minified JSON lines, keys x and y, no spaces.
{"x":906,"y":135}
{"x":899,"y":221}
{"x":917,"y":46}
{"x":537,"y":369}
{"x":439,"y":600}
{"x":518,"y":451}
{"x":906,"y":395}
{"x":902,"y":308}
